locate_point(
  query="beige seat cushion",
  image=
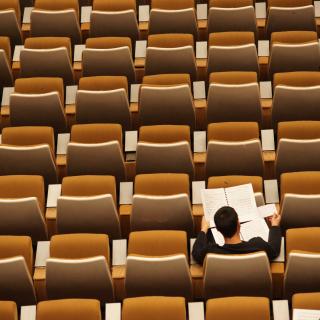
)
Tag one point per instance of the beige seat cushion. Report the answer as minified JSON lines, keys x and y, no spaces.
{"x":172,"y":5}
{"x":103,"y":83}
{"x":231,"y":3}
{"x":231,"y":38}
{"x":164,"y":133}
{"x":289,"y":3}
{"x":114,"y":5}
{"x":167,"y":79}
{"x":108,"y":42}
{"x":8,"y":310}
{"x":306,"y":301}
{"x":293,"y":37}
{"x":170,"y":40}
{"x":233,"y":77}
{"x":57,"y":5}
{"x":299,"y":130}
{"x":297,"y":78}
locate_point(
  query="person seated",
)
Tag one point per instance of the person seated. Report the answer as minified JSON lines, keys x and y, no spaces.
{"x":227,"y":223}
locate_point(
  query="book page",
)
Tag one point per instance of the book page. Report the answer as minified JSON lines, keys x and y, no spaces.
{"x":242,"y":199}
{"x":267,"y":211}
{"x":254,"y":228}
{"x":304,"y":314}
{"x":212,"y":200}
{"x":218,"y":237}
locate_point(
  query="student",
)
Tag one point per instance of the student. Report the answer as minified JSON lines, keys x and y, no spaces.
{"x":227,"y":222}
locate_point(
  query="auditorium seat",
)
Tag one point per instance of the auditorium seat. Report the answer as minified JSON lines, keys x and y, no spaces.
{"x":234,"y":96}
{"x":303,"y":130}
{"x":47,"y":57}
{"x":6,"y":79}
{"x":161,"y":202}
{"x":10,"y":21}
{"x":114,"y":18}
{"x":158,"y":144}
{"x":8,"y":310}
{"x":28,"y":151}
{"x":16,"y":264}
{"x":88,"y":204}
{"x":249,"y":308}
{"x":232,"y":16}
{"x":78,"y":267}
{"x":237,"y":142}
{"x":103,"y":99}
{"x":173,"y":17}
{"x":67,"y":309}
{"x":22,"y":204}
{"x":289,"y":49}
{"x":306,"y":301}
{"x":237,"y":275}
{"x":59,"y":18}
{"x":96,"y":149}
{"x":166,"y":99}
{"x":156,"y":308}
{"x":38,"y":102}
{"x":232,"y":51}
{"x":108,"y":56}
{"x":171,"y":53}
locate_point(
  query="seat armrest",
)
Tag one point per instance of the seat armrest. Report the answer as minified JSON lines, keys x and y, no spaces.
{"x":199,"y":90}
{"x":265,"y":90}
{"x":280,"y":310}
{"x":141,"y":49}
{"x":16,"y":54}
{"x":28,"y":312}
{"x":78,"y":49}
{"x":126,"y":192}
{"x":27,"y":15}
{"x":131,"y":140}
{"x":113,"y":311}
{"x":281,"y":256}
{"x":196,"y":310}
{"x":202,"y":11}
{"x":271,"y":191}
{"x":54,"y":191}
{"x":261,"y":10}
{"x":71,"y":93}
{"x":62,"y":145}
{"x":6,"y":95}
{"x":197,"y":186}
{"x":119,"y":252}
{"x":86,"y":14}
{"x":267,"y":140}
{"x":263,"y":48}
{"x":201,"y":49}
{"x":144,"y":13}
{"x":43,"y":253}
{"x":134,"y":92}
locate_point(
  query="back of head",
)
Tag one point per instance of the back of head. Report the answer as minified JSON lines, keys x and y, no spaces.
{"x":226,"y":221}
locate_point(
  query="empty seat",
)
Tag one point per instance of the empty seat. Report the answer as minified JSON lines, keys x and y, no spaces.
{"x":108,"y":56}
{"x":58,"y":19}
{"x":103,"y":99}
{"x":78,"y":267}
{"x":114,"y":18}
{"x":299,"y":129}
{"x":158,"y":144}
{"x":309,"y":300}
{"x":47,"y":57}
{"x":28,"y":151}
{"x":67,"y":309}
{"x":249,"y":308}
{"x":252,"y":276}
{"x":38,"y":101}
{"x":88,"y":204}
{"x":157,"y":308}
{"x":16,"y":263}
{"x":232,"y":51}
{"x":234,"y":96}
{"x":96,"y":149}
{"x":171,"y":53}
{"x":6,"y":79}
{"x":8,"y":310}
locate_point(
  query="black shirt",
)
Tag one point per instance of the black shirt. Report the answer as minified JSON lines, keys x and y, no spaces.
{"x":205,"y":243}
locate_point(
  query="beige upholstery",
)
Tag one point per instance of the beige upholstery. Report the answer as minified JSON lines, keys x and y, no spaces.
{"x":249,"y":308}
{"x":8,"y":310}
{"x":5,"y":60}
{"x":167,"y":79}
{"x":297,"y":79}
{"x":57,"y":5}
{"x":232,"y":38}
{"x":230,"y":3}
{"x":114,"y":5}
{"x":252,"y":276}
{"x":289,"y":3}
{"x":157,"y":308}
{"x":299,"y":129}
{"x":306,"y":301}
{"x":233,"y":77}
{"x":67,"y":309}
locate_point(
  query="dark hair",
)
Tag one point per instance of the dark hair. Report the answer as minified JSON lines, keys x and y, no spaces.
{"x":226,"y":221}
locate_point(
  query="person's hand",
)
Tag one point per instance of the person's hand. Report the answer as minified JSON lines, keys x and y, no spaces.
{"x":204,"y":225}
{"x":275,"y":220}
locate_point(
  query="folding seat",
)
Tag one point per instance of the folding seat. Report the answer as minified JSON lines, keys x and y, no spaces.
{"x":300,"y":199}
{"x":6,"y":78}
{"x":47,"y":57}
{"x":38,"y":102}
{"x":16,"y":263}
{"x":237,"y":275}
{"x":289,"y":49}
{"x":67,"y":309}
{"x":103,"y":99}
{"x":96,"y":149}
{"x":296,"y":96}
{"x":78,"y":267}
{"x":10,"y":20}
{"x":232,"y":15}
{"x":152,"y":252}
{"x":303,"y":129}
{"x":114,"y":18}
{"x":171,"y":53}
{"x":22,"y":205}
{"x":284,"y":15}
{"x":161,"y":202}
{"x":309,"y":300}
{"x":173,"y":17}
{"x":233,"y":96}
{"x":157,"y":308}
{"x":249,"y":308}
{"x":163,"y":100}
{"x":28,"y":151}
{"x":108,"y":57}
{"x":59,"y":18}
{"x":232,"y":51}
{"x":8,"y":310}
{"x":239,"y":143}
{"x":88,"y":204}
{"x":164,"y":149}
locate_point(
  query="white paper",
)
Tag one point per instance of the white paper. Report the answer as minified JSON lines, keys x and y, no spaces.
{"x":62,"y":145}
{"x":317,"y":8}
{"x":144,"y":15}
{"x":86,"y":14}
{"x":261,"y":10}
{"x":201,"y":49}
{"x":267,"y":140}
{"x":202,"y":11}
{"x":54,"y":192}
{"x":134,"y":93}
{"x":304,"y":314}
{"x":265,"y":90}
{"x":28,"y":312}
{"x":43,"y":253}
{"x":212,"y":201}
{"x":280,"y":310}
{"x":16,"y":54}
{"x":119,"y":252}
{"x":267,"y":211}
{"x":131,"y":140}
{"x":126,"y":192}
{"x":141,"y":49}
{"x":113,"y":311}
{"x":27,"y":14}
{"x":197,"y":186}
{"x":271,"y":191}
{"x":78,"y":49}
{"x":254,"y":228}
{"x":6,"y":95}
{"x":196,"y":310}
{"x":199,"y":90}
{"x":199,"y":141}
{"x":263,"y":48}
{"x":71,"y":93}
